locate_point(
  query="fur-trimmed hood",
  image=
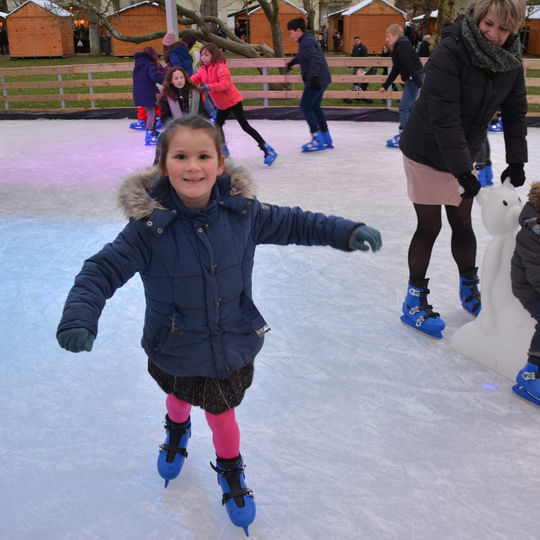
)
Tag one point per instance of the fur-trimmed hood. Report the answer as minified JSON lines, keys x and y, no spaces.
{"x":135,"y":191}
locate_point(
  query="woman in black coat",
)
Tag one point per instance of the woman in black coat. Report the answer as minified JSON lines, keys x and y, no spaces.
{"x":474,"y":71}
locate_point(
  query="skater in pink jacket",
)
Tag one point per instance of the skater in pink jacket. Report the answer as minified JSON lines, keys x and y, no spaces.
{"x":214,"y":76}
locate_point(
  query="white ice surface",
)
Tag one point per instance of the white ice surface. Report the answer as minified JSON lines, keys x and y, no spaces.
{"x":356,"y":426}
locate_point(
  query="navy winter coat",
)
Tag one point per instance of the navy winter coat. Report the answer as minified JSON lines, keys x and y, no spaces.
{"x":145,"y":77}
{"x":196,"y":270}
{"x":312,"y":61}
{"x":450,"y":117}
{"x":525,"y":269}
{"x":179,"y":56}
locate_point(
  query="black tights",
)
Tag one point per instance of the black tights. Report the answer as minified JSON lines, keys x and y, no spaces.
{"x":429,"y":225}
{"x":238,"y":111}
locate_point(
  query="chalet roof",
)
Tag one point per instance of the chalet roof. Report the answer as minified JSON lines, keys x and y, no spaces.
{"x":432,"y":15}
{"x":345,"y":12}
{"x":535,"y":14}
{"x":45,"y":4}
{"x":286,"y":1}
{"x":3,"y":15}
{"x":134,"y":6}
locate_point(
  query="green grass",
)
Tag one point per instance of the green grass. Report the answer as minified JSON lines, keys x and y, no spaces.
{"x":85,"y":59}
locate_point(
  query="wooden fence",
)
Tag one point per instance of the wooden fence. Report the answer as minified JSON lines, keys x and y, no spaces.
{"x":81,"y":87}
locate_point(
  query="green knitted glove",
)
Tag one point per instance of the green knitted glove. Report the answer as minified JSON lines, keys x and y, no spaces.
{"x":76,"y":339}
{"x":364,"y":234}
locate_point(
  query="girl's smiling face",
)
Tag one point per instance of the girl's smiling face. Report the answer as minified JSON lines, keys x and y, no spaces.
{"x":178,"y":80}
{"x":193,"y":164}
{"x":206,"y":57}
{"x":493,"y":29}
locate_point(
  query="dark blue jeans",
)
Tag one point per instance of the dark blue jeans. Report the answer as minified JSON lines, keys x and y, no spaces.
{"x":406,"y":103}
{"x":310,"y":105}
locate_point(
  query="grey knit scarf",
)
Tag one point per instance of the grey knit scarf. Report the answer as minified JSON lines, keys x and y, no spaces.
{"x":486,"y":55}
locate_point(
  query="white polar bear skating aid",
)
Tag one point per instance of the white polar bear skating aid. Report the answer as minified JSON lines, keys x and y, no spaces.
{"x":499,"y":337}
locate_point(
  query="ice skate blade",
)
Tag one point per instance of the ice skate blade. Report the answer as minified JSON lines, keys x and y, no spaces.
{"x":522,"y":393}
{"x":166,"y":483}
{"x":437,"y":335}
{"x":246,"y":530}
{"x":316,"y":149}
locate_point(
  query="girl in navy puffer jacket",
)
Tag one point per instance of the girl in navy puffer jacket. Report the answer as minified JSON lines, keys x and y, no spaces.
{"x":194,"y":226}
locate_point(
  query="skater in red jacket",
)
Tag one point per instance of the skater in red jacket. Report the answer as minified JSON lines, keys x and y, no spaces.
{"x":214,"y":76}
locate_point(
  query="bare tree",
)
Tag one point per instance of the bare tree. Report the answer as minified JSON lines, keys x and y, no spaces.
{"x":448,"y":10}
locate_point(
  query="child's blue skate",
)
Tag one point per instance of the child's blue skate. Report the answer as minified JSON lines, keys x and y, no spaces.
{"x":139,"y":124}
{"x":497,"y":127}
{"x":394,"y":141}
{"x":329,"y":143}
{"x":173,"y":452}
{"x":237,"y":498}
{"x":485,"y":175}
{"x":418,"y":314}
{"x":469,"y":293}
{"x":528,"y":383}
{"x":159,"y":123}
{"x":225,"y":151}
{"x":151,"y":137}
{"x":270,"y":154}
{"x":316,"y":144}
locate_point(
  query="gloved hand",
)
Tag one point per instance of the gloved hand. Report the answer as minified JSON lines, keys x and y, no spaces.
{"x":76,"y":339}
{"x":314,"y":83}
{"x":515,"y":172}
{"x":364,"y":234}
{"x":470,"y":184}
{"x":289,"y":65}
{"x":204,"y":87}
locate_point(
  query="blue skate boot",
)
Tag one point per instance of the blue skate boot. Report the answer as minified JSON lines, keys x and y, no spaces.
{"x":528,"y":382}
{"x":418,"y":314}
{"x":270,"y":154}
{"x":394,"y":141}
{"x":139,"y":124}
{"x":497,"y":127}
{"x":159,"y":123}
{"x":151,"y":137}
{"x":316,"y":144}
{"x":173,"y":452}
{"x":329,"y":143}
{"x":468,"y":291}
{"x":225,"y":151}
{"x":237,"y":498}
{"x":484,"y":174}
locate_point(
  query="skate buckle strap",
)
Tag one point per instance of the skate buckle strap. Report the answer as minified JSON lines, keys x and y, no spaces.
{"x":529,"y":375}
{"x":231,"y":495}
{"x":175,"y":449}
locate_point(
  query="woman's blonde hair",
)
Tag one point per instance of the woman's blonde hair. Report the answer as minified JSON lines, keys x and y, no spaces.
{"x":510,"y":13}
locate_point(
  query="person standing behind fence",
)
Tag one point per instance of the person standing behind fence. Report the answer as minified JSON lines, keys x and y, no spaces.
{"x":405,"y":62}
{"x":3,"y":41}
{"x":475,"y":70}
{"x":316,"y":77}
{"x":214,"y":77}
{"x":424,"y":47}
{"x":147,"y":73}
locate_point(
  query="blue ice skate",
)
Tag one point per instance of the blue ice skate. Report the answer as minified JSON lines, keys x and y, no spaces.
{"x":316,"y":144}
{"x":469,"y":293}
{"x":329,"y":143}
{"x":394,"y":141}
{"x":139,"y":124}
{"x":151,"y":137}
{"x":159,"y":123}
{"x":270,"y":154}
{"x":484,"y":173}
{"x":528,"y":383}
{"x":418,"y":314}
{"x":237,"y":498}
{"x":173,"y":452}
{"x":225,"y":151}
{"x":497,"y":127}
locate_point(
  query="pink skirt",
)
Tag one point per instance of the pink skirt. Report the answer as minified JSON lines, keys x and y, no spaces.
{"x":426,"y":185}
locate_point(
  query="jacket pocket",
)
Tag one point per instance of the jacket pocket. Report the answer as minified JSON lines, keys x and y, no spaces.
{"x":252,"y":319}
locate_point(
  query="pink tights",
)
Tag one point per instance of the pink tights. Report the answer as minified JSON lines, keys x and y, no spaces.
{"x":225,"y":431}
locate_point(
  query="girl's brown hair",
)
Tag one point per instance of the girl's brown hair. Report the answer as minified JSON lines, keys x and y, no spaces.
{"x":191,"y":121}
{"x":152,"y":53}
{"x":215,"y":51}
{"x":169,"y":90}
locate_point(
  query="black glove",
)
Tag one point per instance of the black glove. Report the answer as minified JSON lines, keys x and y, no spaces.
{"x":470,"y":184}
{"x":515,"y":172}
{"x":314,"y":83}
{"x":76,"y":339}
{"x":289,"y":65}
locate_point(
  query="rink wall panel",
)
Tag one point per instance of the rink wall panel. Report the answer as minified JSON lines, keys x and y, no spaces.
{"x":35,"y":32}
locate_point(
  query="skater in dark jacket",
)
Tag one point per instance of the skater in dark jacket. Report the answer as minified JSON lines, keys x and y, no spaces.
{"x":147,"y":73}
{"x":405,"y":62}
{"x":193,"y":227}
{"x":525,"y":274}
{"x":475,"y":70}
{"x":316,"y":77}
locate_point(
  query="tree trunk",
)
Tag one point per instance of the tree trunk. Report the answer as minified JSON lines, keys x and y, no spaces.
{"x":209,"y":8}
{"x":93,"y":34}
{"x":448,"y":10}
